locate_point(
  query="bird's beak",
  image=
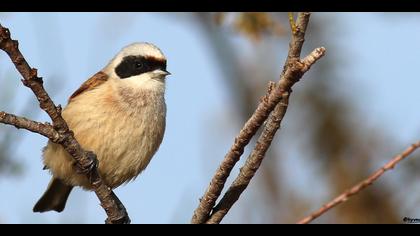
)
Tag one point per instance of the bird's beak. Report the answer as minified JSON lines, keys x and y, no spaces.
{"x":161,"y":73}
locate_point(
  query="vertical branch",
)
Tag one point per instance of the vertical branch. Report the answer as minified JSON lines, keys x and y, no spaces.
{"x":256,"y":157}
{"x":87,"y":160}
{"x":292,"y":72}
{"x":252,"y":163}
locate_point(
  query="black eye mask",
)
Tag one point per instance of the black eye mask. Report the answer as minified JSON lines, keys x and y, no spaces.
{"x":136,"y":65}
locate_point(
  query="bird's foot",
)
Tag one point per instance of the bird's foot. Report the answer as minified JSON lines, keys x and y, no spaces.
{"x":87,"y":166}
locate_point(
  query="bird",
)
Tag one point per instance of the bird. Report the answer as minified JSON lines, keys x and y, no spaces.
{"x":119,"y":114}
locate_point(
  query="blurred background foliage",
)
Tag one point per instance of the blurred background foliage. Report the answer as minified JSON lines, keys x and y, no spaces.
{"x":322,"y":148}
{"x":341,"y":150}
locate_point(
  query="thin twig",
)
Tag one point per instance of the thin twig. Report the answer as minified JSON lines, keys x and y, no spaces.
{"x":292,"y":72}
{"x":23,"y":123}
{"x":360,"y":186}
{"x":87,"y":160}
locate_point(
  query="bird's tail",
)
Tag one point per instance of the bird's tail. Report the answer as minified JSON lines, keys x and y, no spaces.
{"x":54,"y":198}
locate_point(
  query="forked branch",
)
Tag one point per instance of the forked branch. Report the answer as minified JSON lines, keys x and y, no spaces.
{"x":277,"y":96}
{"x":59,"y":131}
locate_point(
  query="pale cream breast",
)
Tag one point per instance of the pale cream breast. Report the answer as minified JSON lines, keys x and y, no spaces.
{"x":124,"y":126}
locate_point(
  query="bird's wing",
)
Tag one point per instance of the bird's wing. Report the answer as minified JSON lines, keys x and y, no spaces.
{"x":94,"y":81}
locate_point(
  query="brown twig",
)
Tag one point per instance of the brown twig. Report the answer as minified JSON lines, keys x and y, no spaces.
{"x":23,"y":123}
{"x":360,"y":186}
{"x":87,"y":160}
{"x":292,"y":72}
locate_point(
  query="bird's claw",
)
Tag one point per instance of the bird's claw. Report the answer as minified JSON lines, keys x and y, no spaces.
{"x":87,"y":168}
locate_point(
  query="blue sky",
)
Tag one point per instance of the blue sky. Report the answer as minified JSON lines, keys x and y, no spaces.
{"x":382,"y":78}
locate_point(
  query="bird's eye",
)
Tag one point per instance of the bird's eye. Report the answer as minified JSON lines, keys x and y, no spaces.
{"x":139,"y":65}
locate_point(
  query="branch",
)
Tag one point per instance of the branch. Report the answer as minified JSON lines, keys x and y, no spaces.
{"x":87,"y":160}
{"x":22,"y":123}
{"x":252,"y":163}
{"x":256,"y":157}
{"x":292,"y":72}
{"x":360,"y":186}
